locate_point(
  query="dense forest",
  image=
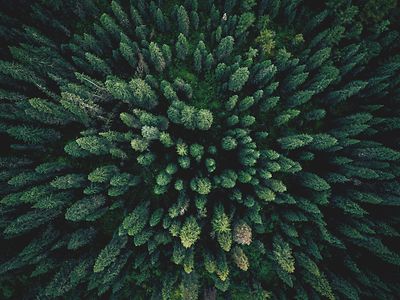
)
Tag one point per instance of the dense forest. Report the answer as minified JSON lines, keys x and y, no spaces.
{"x":199,"y":149}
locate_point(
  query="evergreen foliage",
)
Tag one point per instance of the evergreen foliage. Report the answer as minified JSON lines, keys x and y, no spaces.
{"x":199,"y":149}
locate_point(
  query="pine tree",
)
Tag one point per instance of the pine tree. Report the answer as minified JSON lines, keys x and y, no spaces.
{"x":238,"y":79}
{"x":197,"y":60}
{"x":142,"y":93}
{"x":225,"y":47}
{"x":240,"y":258}
{"x":109,"y":254}
{"x":93,"y":144}
{"x":295,"y":141}
{"x":183,"y":20}
{"x":229,"y":143}
{"x":85,"y":208}
{"x":157,"y":57}
{"x":204,"y":119}
{"x":190,"y":232}
{"x":98,"y":64}
{"x":182,"y":47}
{"x":246,"y":20}
{"x":314,"y":182}
{"x":242,"y":233}
{"x":135,"y":222}
{"x":160,"y":20}
{"x":122,"y":17}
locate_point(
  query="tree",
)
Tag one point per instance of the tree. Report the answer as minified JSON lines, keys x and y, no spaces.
{"x":157,"y":57}
{"x":135,"y":222}
{"x":377,"y":153}
{"x":222,"y":228}
{"x":150,"y":132}
{"x":139,"y":144}
{"x":318,"y":58}
{"x":295,"y":141}
{"x":228,"y":143}
{"x":248,"y":4}
{"x":197,"y":60}
{"x":166,"y":139}
{"x":160,"y":20}
{"x":300,"y":98}
{"x":188,"y":118}
{"x":182,"y":47}
{"x":246,"y":20}
{"x":163,"y":178}
{"x":349,"y":90}
{"x":238,"y":79}
{"x":190,"y":232}
{"x":204,"y":119}
{"x":201,"y":185}
{"x":122,"y":17}
{"x":283,"y":255}
{"x":220,"y":221}
{"x":33,"y":135}
{"x":103,"y":173}
{"x":266,"y":40}
{"x":166,"y":51}
{"x":19,"y":72}
{"x":240,"y":258}
{"x":171,"y":95}
{"x":225,"y":240}
{"x":265,"y":194}
{"x":210,"y":164}
{"x":194,"y":19}
{"x":225,"y":47}
{"x":286,"y":116}
{"x":128,"y":52}
{"x":85,"y":208}
{"x":181,"y":149}
{"x":197,"y":151}
{"x":156,"y":217}
{"x":118,"y":88}
{"x":265,"y":72}
{"x":142,"y":93}
{"x":81,"y":237}
{"x":110,"y":25}
{"x":296,"y":79}
{"x":183,"y":20}
{"x":242,"y":233}
{"x":50,"y":112}
{"x":245,"y":103}
{"x":98,"y":64}
{"x":314,"y":182}
{"x":109,"y":253}
{"x":323,"y":141}
{"x":68,"y":181}
{"x":228,"y":179}
{"x":93,"y":144}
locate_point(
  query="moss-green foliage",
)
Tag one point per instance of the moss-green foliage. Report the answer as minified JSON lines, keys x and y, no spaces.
{"x":273,"y":36}
{"x":205,"y":90}
{"x":199,"y":149}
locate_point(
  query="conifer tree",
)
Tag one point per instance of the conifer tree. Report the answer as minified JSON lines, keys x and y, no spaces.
{"x":182,"y":47}
{"x":183,"y":20}
{"x":225,"y":47}
{"x":190,"y":232}
{"x":238,"y":79}
{"x":157,"y":57}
